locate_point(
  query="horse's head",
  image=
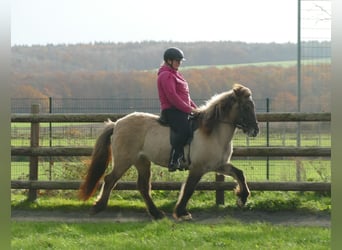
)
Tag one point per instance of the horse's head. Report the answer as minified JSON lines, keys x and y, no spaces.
{"x":245,"y":117}
{"x":234,"y":107}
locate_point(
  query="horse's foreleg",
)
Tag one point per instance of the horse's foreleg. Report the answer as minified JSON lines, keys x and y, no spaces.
{"x":187,"y":190}
{"x":144,"y":186}
{"x":109,"y":183}
{"x":242,"y":190}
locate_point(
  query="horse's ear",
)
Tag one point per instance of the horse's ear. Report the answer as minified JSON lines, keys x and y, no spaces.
{"x":241,"y":91}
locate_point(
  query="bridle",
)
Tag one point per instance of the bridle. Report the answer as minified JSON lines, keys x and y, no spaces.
{"x":239,"y":122}
{"x":234,"y":124}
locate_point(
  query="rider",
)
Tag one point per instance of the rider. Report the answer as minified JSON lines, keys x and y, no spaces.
{"x":175,"y":103}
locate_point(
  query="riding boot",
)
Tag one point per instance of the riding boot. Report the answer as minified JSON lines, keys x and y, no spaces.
{"x":175,"y":160}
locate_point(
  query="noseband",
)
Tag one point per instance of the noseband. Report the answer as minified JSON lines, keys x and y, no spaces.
{"x":234,"y":124}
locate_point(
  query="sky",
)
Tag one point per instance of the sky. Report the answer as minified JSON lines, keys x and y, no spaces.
{"x":41,"y":22}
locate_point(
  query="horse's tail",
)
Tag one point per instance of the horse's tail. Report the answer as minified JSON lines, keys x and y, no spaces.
{"x":100,"y":159}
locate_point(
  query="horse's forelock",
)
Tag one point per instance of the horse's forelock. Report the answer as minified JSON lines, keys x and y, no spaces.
{"x":241,"y":91}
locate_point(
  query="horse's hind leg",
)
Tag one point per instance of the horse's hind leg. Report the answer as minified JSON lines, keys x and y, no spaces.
{"x":144,"y":186}
{"x":109,"y":183}
{"x":180,"y":211}
{"x":242,"y":190}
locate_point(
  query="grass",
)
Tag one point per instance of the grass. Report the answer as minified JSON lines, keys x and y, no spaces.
{"x":311,"y":202}
{"x":166,"y":234}
{"x":169,"y":234}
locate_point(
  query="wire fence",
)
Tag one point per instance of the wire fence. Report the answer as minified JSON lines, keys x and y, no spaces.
{"x":313,"y":134}
{"x":315,"y":25}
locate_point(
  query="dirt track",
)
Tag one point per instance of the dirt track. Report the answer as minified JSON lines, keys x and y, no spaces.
{"x":276,"y":218}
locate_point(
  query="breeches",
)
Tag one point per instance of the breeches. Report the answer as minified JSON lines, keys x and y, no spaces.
{"x":179,"y":124}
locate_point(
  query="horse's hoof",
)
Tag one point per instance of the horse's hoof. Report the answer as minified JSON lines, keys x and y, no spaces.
{"x":96,"y":209}
{"x":158,"y":216}
{"x":93,"y":211}
{"x":186,"y":217}
{"x":240,"y":203}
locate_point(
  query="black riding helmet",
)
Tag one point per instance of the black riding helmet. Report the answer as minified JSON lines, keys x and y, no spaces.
{"x":173,"y":53}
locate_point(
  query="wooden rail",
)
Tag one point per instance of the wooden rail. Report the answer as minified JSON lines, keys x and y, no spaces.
{"x":238,"y":151}
{"x":262,"y":117}
{"x":34,"y":151}
{"x":174,"y":185}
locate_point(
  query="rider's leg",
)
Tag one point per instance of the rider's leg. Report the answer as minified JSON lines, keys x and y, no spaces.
{"x":179,"y":124}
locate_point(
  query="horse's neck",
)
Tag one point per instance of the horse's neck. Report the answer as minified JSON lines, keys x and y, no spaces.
{"x":224,"y":133}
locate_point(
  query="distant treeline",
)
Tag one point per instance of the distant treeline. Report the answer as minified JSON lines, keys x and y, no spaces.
{"x":128,"y":70}
{"x":148,"y":55}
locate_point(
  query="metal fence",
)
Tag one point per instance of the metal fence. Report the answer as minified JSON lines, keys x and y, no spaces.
{"x":314,"y":25}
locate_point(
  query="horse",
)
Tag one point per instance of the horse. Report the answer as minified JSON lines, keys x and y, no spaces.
{"x":139,"y":138}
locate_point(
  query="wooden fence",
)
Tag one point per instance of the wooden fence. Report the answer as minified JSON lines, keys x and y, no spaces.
{"x":34,"y":151}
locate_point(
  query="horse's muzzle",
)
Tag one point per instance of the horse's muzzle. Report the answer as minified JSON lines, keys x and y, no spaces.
{"x":252,"y":131}
{"x":249,"y":130}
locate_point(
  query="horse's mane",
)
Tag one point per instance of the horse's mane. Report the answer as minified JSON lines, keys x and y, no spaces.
{"x":218,"y":106}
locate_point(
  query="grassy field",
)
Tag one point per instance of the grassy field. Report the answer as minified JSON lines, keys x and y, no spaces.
{"x":309,"y":202}
{"x":262,"y":64}
{"x":226,"y":233}
{"x":166,"y":234}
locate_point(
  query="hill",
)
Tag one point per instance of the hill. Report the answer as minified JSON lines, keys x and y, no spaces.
{"x":128,"y":70}
{"x":142,"y":55}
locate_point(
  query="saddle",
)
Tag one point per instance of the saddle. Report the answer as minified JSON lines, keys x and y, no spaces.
{"x":193,"y":125}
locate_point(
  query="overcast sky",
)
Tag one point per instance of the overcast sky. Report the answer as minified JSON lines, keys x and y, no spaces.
{"x":85,"y":21}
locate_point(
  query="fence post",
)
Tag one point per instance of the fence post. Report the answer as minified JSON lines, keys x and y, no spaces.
{"x":267,"y":140}
{"x":34,"y":142}
{"x":220,"y":192}
{"x":50,"y":139}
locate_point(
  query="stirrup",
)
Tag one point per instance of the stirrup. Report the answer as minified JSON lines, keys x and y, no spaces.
{"x":178,"y":165}
{"x":176,"y":161}
{"x":173,"y":166}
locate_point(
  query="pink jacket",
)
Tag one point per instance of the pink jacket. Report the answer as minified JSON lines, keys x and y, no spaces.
{"x":173,"y":90}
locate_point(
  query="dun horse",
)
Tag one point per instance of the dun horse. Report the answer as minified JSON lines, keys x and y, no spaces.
{"x":139,"y":139}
